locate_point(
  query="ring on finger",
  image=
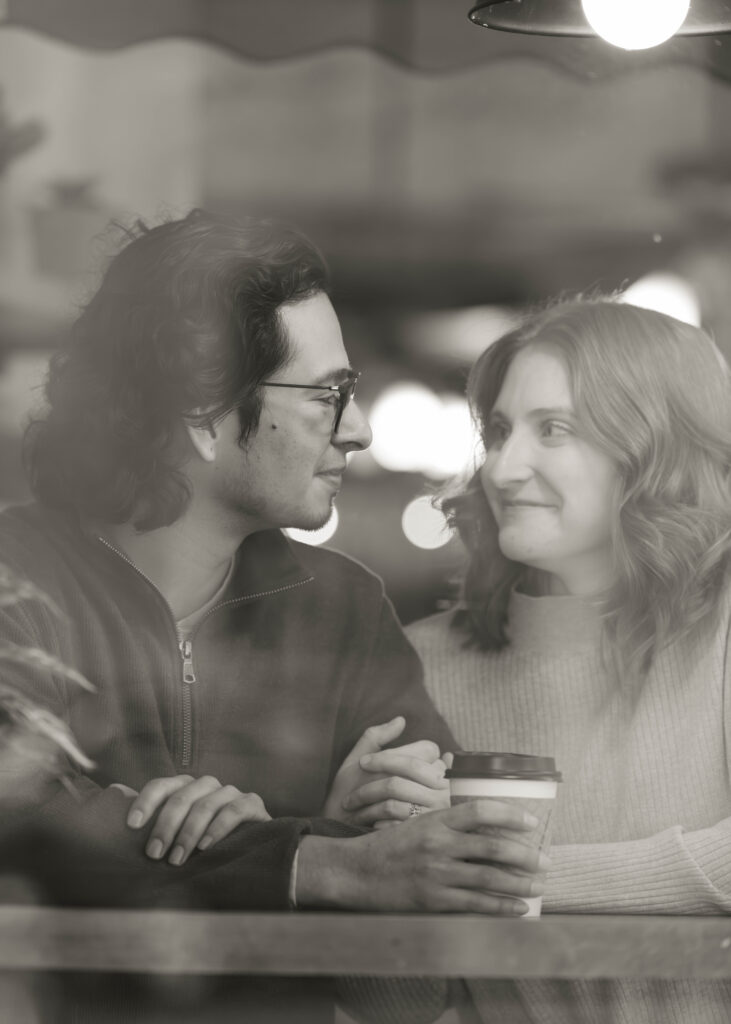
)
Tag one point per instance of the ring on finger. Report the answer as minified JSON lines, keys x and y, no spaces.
{"x":414,"y":810}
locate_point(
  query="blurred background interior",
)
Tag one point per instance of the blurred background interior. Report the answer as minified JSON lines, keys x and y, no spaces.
{"x":450,"y":173}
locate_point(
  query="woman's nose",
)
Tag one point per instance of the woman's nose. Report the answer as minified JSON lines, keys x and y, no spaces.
{"x":511,"y":463}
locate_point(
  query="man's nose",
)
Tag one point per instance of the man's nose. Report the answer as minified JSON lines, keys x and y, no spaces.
{"x":354,"y":431}
{"x":512,"y":462}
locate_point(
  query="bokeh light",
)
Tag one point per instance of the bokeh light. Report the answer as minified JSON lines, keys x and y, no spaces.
{"x":417,"y":431}
{"x":665,"y":293}
{"x":315,"y":537}
{"x":423,"y":525}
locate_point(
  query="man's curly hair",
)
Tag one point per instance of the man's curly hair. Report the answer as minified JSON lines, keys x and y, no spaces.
{"x":183,"y":328}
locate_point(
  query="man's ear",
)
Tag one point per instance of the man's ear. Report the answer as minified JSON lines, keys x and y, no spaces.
{"x":203,"y":440}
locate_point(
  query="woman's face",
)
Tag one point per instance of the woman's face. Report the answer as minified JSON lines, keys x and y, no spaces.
{"x":550,"y":490}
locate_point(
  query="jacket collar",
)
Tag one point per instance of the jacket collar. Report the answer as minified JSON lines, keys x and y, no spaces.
{"x":265,"y":561}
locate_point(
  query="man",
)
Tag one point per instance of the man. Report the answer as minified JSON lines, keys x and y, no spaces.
{"x":203,"y":401}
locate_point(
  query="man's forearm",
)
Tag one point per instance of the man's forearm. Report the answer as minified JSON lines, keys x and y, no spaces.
{"x":326,"y":873}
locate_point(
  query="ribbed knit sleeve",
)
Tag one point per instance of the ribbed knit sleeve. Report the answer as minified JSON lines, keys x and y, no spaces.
{"x":641,"y":824}
{"x":642,"y":820}
{"x":669,"y":873}
{"x":676,"y":871}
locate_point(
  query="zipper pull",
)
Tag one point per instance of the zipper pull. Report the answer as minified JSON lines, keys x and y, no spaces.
{"x":186,"y":650}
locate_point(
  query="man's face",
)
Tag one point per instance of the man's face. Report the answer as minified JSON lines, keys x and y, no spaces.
{"x":290,"y":470}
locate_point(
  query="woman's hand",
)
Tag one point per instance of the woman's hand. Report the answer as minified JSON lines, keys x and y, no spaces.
{"x":376,"y":787}
{"x":193,"y":814}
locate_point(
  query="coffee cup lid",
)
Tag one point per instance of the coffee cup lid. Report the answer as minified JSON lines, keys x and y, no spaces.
{"x":484,"y":764}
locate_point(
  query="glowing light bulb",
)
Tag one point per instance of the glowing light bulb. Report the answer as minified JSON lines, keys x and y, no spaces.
{"x":635,"y":24}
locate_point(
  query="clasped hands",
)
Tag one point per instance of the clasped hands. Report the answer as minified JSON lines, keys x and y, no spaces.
{"x":447,"y":864}
{"x":373,"y":787}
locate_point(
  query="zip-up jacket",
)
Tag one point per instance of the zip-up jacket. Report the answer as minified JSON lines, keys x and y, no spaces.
{"x":279,"y":680}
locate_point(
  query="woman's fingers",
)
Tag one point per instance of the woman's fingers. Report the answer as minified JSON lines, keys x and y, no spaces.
{"x":422,"y":751}
{"x":407,"y":766}
{"x":375,"y":737}
{"x":392,"y":798}
{"x":152,"y":796}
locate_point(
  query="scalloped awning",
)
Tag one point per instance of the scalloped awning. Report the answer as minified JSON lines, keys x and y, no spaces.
{"x":426,"y":35}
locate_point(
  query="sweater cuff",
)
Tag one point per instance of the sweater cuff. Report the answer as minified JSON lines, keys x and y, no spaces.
{"x":655,"y":875}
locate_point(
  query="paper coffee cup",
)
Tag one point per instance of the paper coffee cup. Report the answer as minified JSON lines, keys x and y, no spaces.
{"x":524,"y":779}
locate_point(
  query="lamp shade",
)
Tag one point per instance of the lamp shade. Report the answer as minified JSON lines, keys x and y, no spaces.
{"x":566,"y":17}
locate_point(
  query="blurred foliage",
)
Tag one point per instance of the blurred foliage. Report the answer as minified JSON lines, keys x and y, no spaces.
{"x":34,"y":743}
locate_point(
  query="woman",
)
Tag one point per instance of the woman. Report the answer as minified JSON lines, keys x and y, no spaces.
{"x":594,"y":625}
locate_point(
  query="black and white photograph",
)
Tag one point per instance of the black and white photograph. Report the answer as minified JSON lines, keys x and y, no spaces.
{"x":365,"y":512}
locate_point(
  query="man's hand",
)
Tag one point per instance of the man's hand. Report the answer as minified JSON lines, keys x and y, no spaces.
{"x":376,"y":787}
{"x":194,"y":813}
{"x":436,"y":862}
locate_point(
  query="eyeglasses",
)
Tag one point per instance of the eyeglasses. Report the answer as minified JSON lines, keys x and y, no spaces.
{"x":345,"y":393}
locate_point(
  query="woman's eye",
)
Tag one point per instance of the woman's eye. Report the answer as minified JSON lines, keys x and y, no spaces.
{"x":554,"y":429}
{"x":496,"y":433}
{"x":328,"y":398}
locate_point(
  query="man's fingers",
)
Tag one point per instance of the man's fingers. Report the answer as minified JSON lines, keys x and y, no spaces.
{"x":126,"y":790}
{"x":213,"y":817}
{"x":394,"y":789}
{"x":174,"y":813}
{"x":193,"y":826}
{"x":485,"y":813}
{"x":495,"y":879}
{"x":247,"y":807}
{"x":152,"y":796}
{"x":497,"y":849}
{"x":470,"y":901}
{"x":375,"y":737}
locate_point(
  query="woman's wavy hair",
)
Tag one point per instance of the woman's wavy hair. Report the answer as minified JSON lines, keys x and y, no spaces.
{"x":183,"y":328}
{"x":653,"y":394}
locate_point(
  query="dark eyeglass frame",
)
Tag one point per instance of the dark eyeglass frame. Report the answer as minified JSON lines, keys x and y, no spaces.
{"x":346,"y":392}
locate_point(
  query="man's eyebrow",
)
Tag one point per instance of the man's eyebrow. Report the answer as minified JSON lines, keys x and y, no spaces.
{"x":335,"y":376}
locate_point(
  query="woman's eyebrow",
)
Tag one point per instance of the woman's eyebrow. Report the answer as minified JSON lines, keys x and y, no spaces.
{"x":556,"y":410}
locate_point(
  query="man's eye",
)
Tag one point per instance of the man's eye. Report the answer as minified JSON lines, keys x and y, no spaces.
{"x":328,"y":397}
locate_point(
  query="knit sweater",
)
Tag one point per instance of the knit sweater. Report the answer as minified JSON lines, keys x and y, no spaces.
{"x":642,"y":823}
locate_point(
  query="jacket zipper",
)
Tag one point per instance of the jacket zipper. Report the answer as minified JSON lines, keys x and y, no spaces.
{"x":185,"y":647}
{"x":186,"y":651}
